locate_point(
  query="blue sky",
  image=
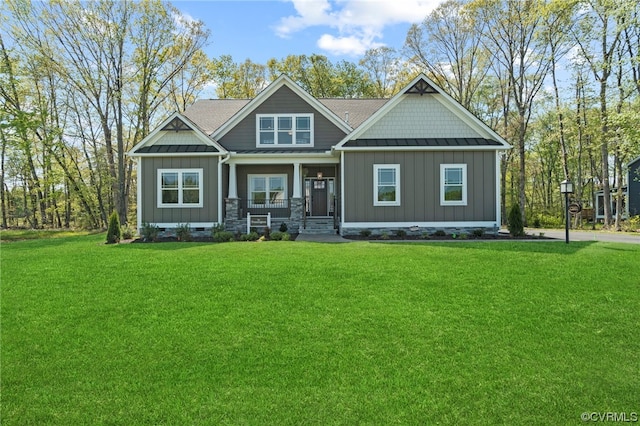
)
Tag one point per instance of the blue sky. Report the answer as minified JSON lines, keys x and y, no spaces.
{"x":338,"y":29}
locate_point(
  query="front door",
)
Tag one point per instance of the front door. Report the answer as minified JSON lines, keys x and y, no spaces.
{"x":319,"y":197}
{"x":319,"y":194}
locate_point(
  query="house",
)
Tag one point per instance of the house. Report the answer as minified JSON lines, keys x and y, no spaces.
{"x":633,"y":187}
{"x":418,"y":161}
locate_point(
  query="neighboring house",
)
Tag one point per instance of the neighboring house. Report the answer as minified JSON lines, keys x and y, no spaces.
{"x":418,"y":161}
{"x":633,"y":188}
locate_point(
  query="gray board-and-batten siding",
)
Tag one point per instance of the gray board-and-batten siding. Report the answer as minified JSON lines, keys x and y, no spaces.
{"x":420,"y":187}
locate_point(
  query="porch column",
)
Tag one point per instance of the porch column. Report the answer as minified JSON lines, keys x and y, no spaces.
{"x":297,"y":187}
{"x":233,"y":186}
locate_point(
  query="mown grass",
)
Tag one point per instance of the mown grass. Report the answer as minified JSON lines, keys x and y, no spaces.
{"x":305,"y":333}
{"x":12,"y":235}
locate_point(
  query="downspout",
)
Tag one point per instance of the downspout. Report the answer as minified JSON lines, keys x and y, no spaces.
{"x":221,"y":161}
{"x":342,"y":178}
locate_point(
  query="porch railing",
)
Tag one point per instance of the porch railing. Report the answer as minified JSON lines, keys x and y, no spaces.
{"x":277,"y":208}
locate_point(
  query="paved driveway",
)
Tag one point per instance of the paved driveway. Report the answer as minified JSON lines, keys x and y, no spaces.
{"x":614,"y":237}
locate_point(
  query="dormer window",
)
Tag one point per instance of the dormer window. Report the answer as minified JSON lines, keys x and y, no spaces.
{"x":284,"y":129}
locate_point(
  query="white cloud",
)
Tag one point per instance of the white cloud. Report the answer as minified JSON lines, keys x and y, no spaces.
{"x":358,"y":24}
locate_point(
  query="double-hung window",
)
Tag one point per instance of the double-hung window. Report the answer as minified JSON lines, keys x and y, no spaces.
{"x":386,"y":184}
{"x":284,"y":129}
{"x":268,"y":191}
{"x":180,"y":188}
{"x":453,"y":184}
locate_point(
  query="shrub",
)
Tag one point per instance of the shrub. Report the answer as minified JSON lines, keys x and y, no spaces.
{"x":425,"y":236}
{"x":267,"y":232}
{"x":149,"y":232}
{"x":127,"y":232}
{"x":536,"y":222}
{"x":252,"y":236}
{"x":183,"y":232}
{"x":222,"y":236}
{"x":286,"y":236}
{"x":440,"y":233}
{"x":366,"y":233}
{"x":384,"y":235}
{"x":114,"y":232}
{"x":464,"y":236}
{"x":401,"y":233}
{"x":217,"y":228}
{"x":478,"y":233}
{"x":283,"y":227}
{"x":514,"y":221}
{"x":632,"y":224}
{"x":276,"y":236}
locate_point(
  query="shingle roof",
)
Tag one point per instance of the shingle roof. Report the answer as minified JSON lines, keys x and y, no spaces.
{"x":435,"y":142}
{"x":211,"y":114}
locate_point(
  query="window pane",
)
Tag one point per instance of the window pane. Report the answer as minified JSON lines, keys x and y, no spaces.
{"x":453,"y":176}
{"x":190,"y":180}
{"x":303,"y":123}
{"x":267,"y":138}
{"x":386,"y":193}
{"x":259,"y":197}
{"x":258,"y":183}
{"x":276,"y":183}
{"x":169,"y":180}
{"x":285,"y":138}
{"x":190,"y":196}
{"x":170,"y":196}
{"x":453,"y":193}
{"x":266,"y":123}
{"x":386,"y":176}
{"x":284,"y":123}
{"x":303,"y":138}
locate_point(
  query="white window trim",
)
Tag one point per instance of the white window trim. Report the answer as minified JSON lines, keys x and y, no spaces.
{"x":180,"y":204}
{"x":462,"y":202}
{"x":275,"y":130}
{"x":268,"y":203}
{"x":377,"y":167}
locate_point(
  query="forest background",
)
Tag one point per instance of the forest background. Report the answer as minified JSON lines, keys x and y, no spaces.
{"x":81,"y":83}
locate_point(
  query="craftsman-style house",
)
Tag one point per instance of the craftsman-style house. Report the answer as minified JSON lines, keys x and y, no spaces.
{"x":418,"y":161}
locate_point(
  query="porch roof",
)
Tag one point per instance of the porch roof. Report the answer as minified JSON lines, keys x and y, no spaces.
{"x":176,"y":149}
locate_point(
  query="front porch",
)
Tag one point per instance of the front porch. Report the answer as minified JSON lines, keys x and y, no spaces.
{"x":302,"y":195}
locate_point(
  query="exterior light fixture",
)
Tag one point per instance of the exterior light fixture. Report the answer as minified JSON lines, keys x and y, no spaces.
{"x":319,"y":175}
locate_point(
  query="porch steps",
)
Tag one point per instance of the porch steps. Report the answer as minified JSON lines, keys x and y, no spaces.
{"x":318,"y":226}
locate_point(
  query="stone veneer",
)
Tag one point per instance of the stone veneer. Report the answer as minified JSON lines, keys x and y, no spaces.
{"x":430,"y":230}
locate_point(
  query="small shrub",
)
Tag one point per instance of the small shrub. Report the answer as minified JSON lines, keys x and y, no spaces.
{"x":514,"y":221}
{"x":283,"y":227}
{"x":114,"y":232}
{"x":222,"y":236}
{"x":440,"y":233}
{"x":454,"y":235}
{"x":183,"y":232}
{"x":366,"y":233}
{"x":217,"y":228}
{"x":401,"y":233}
{"x":632,"y":224}
{"x":478,"y":233}
{"x":536,"y":222}
{"x":128,"y":232}
{"x":267,"y":232}
{"x":149,"y":232}
{"x":252,"y":236}
{"x":464,"y":236}
{"x":425,"y":236}
{"x":276,"y":236}
{"x":286,"y":236}
{"x":384,"y":235}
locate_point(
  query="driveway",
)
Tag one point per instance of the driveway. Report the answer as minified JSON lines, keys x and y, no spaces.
{"x":574,"y":235}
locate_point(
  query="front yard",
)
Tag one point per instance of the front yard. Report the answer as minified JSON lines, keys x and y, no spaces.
{"x":309,"y":333}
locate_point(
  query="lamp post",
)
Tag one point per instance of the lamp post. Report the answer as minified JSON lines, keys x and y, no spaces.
{"x":566,"y":187}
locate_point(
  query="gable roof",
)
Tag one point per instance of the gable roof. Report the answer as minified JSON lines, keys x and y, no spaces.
{"x":176,"y":122}
{"x":421,"y":86}
{"x":281,"y":81}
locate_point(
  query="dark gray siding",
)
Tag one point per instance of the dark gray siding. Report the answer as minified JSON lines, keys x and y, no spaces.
{"x":420,"y":187}
{"x":283,"y":101}
{"x":150,"y":211}
{"x":634,"y":188}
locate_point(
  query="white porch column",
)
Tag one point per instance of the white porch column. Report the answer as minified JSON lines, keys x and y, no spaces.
{"x":297,"y":187}
{"x":233,"y":186}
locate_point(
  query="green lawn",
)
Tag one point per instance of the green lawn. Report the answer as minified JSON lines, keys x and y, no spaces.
{"x":307,"y":333}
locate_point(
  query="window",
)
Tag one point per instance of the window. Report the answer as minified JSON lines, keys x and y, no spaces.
{"x":180,"y":188}
{"x":386,"y":184}
{"x":268,"y":191}
{"x":284,"y":129}
{"x":453,"y":184}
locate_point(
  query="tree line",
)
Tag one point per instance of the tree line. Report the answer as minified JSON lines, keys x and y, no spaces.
{"x":82,"y":82}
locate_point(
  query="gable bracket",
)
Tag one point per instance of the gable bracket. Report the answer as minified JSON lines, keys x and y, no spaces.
{"x":176,"y":125}
{"x":421,"y":87}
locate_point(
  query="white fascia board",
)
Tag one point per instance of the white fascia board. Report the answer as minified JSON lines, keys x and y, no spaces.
{"x":157,"y":133}
{"x":281,"y":81}
{"x":471,"y":224}
{"x":317,"y":158}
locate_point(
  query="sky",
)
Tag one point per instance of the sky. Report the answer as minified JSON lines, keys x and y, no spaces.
{"x":338,"y":29}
